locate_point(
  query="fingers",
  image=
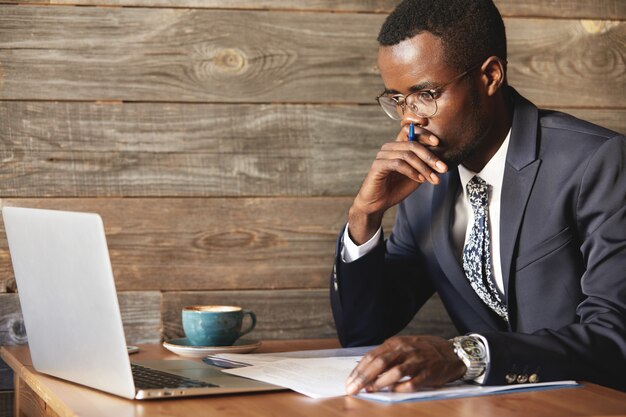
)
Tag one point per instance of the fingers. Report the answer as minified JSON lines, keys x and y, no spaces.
{"x":422,"y":136}
{"x":418,"y":381}
{"x":371,"y":365}
{"x":401,"y":164}
{"x":404,"y":364}
{"x":393,"y":376}
{"x":416,"y":161}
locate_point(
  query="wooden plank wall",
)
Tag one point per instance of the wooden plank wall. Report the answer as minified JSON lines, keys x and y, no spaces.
{"x":222,"y":142}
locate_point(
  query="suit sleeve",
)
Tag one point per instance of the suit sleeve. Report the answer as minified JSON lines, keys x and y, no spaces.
{"x":593,"y":349}
{"x":377,"y":295}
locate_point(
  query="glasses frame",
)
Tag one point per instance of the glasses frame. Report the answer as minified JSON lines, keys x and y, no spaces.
{"x":401,"y":103}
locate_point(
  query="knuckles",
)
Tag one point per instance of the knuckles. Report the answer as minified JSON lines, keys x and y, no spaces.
{"x":380,"y":362}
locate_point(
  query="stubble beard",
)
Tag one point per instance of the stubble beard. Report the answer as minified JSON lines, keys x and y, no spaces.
{"x":477,"y":132}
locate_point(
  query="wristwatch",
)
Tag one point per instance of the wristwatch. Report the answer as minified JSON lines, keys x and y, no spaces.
{"x":472,"y":352}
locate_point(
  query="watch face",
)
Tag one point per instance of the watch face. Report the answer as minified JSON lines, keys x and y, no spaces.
{"x":473,"y":348}
{"x":472,"y":352}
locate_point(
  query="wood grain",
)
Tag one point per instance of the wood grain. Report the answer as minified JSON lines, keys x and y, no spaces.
{"x":558,"y":64}
{"x":212,"y":244}
{"x":71,"y":399}
{"x":12,"y":330}
{"x":585,"y":9}
{"x":290,"y":314}
{"x":187,"y":150}
{"x":6,"y":379}
{"x":141,"y":317}
{"x":193,"y":150}
{"x":7,"y":403}
{"x":31,"y":404}
{"x":196,"y":55}
{"x":186,"y":55}
{"x":599,"y":9}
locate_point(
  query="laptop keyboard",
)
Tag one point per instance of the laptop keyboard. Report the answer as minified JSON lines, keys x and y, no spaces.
{"x":147,"y":378}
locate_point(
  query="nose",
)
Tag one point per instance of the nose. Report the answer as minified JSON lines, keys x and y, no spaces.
{"x":409,"y":117}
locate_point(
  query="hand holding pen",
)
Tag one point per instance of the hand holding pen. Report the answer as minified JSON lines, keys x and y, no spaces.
{"x":399,"y":169}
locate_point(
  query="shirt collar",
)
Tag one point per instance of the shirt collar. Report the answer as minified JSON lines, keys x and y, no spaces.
{"x":493,"y":172}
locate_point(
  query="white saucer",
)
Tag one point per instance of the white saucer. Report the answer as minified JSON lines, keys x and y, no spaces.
{"x":183,"y":347}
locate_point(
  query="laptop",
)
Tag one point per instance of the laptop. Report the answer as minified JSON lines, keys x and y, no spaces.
{"x":72,"y":317}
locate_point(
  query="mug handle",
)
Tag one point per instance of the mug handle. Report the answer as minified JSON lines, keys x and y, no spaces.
{"x":252,"y":324}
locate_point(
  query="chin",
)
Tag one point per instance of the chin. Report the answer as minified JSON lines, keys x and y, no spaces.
{"x":451,"y":158}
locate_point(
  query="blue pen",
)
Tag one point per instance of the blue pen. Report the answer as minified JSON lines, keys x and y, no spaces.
{"x":411,"y":132}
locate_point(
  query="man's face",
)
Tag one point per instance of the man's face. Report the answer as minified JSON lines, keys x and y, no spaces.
{"x":460,"y":123}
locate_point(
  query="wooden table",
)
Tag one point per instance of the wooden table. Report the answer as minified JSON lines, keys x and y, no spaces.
{"x":41,"y":395}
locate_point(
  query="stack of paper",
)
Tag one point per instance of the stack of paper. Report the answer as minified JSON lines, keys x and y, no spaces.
{"x":238,"y":360}
{"x":322,"y":374}
{"x":460,"y":389}
{"x":313,"y":377}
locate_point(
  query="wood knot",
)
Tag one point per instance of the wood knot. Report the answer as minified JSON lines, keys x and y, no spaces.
{"x":229,"y":60}
{"x":8,"y":285}
{"x":229,"y":239}
{"x":597,"y":27}
{"x":17,"y":331}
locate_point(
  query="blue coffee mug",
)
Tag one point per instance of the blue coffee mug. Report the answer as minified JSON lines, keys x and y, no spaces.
{"x":215,"y":325}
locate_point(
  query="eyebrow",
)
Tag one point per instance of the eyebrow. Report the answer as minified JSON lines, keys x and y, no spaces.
{"x":427,"y":85}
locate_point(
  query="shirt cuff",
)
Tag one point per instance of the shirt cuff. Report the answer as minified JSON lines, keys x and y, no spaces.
{"x":350,"y":251}
{"x":481,"y":379}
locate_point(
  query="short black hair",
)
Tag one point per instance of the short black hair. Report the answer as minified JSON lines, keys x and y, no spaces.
{"x":471,"y":30}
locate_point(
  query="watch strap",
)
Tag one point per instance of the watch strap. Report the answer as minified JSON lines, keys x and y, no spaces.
{"x":472,"y":352}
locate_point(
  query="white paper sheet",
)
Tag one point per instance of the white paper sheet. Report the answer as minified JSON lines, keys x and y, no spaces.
{"x":246,"y":359}
{"x":313,"y":377}
{"x":460,"y":389}
{"x":324,"y":377}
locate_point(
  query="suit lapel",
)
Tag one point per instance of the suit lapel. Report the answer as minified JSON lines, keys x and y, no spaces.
{"x":520,"y":172}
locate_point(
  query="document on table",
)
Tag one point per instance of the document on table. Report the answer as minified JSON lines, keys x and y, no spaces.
{"x":322,"y":374}
{"x":313,"y":377}
{"x":461,"y":389}
{"x":325,"y":377}
{"x":237,"y":360}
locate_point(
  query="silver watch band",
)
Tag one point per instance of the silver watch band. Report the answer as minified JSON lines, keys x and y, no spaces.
{"x":472,"y":352}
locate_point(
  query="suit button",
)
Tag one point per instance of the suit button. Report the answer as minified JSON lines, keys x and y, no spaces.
{"x":522,"y":379}
{"x":533,"y":378}
{"x":510,"y":378}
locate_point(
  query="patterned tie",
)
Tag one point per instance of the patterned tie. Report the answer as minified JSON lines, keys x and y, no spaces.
{"x":477,"y":250}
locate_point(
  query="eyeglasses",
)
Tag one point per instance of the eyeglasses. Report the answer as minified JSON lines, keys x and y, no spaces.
{"x":422,"y":103}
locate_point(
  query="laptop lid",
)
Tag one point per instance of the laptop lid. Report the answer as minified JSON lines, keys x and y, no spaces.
{"x":71,"y":312}
{"x":68,"y":298}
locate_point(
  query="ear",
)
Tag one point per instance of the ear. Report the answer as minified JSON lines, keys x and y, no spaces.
{"x":494,"y":74}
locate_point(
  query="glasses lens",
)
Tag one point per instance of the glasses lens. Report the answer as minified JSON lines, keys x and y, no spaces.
{"x":390,"y":106}
{"x":421,"y":103}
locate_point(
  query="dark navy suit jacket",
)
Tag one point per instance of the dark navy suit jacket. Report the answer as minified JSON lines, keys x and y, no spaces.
{"x":563,"y":251}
